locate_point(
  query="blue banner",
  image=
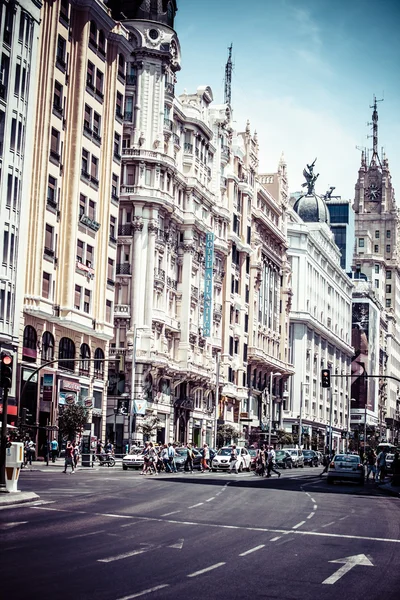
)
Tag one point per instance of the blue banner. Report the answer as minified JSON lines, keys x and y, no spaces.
{"x":208,"y":284}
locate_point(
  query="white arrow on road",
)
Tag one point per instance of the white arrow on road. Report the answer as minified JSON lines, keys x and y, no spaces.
{"x":348,"y":563}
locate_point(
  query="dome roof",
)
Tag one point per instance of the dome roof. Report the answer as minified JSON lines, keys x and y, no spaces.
{"x":312,"y":209}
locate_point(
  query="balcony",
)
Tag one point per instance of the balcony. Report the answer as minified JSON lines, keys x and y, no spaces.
{"x":188,"y":148}
{"x":122,"y":310}
{"x":131,"y":79}
{"x":128,"y":115}
{"x":225,"y":154}
{"x":125,"y":229}
{"x":170,"y":89}
{"x":159,"y":275}
{"x":167,"y":125}
{"x":88,"y":222}
{"x":172,"y":283}
{"x":224,"y":182}
{"x":177,"y":140}
{"x":194,"y":291}
{"x":123,"y":269}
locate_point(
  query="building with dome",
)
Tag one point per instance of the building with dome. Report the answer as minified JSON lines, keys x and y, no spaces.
{"x":320,"y":324}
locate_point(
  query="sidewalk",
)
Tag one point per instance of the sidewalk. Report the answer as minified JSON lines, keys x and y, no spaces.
{"x":390,"y":489}
{"x":13,"y":498}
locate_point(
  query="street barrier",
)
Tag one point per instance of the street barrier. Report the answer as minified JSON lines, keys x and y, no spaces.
{"x":14,"y":461}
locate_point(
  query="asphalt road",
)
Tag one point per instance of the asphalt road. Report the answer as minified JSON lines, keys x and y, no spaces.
{"x":113,"y":535}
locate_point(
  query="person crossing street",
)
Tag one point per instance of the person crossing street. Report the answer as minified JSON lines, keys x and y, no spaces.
{"x":271,"y":462}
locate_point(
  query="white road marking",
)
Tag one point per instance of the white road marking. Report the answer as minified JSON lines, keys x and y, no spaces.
{"x":178,"y":544}
{"x":115,"y":516}
{"x":327,"y":524}
{"x":278,"y":537}
{"x":129,"y":524}
{"x":312,"y":499}
{"x":315,"y":506}
{"x":298,"y":525}
{"x":73,"y":537}
{"x":10,"y":525}
{"x":171,"y":513}
{"x":196,"y":573}
{"x":194,"y":505}
{"x":343,"y":518}
{"x":153,"y":589}
{"x":209,"y":500}
{"x":311,"y":515}
{"x":121,"y":556}
{"x":49,"y":508}
{"x":348,"y":563}
{"x":252,"y":550}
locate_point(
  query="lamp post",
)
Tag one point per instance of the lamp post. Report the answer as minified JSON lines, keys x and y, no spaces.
{"x":133,"y":377}
{"x":217,"y":372}
{"x":116,"y":412}
{"x":271,"y":377}
{"x":301,"y":414}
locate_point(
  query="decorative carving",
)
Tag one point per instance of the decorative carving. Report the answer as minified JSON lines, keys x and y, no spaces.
{"x":152,"y":227}
{"x":310,"y":178}
{"x":137,"y":224}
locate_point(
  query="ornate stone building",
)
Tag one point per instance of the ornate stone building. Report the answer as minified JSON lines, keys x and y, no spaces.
{"x":71,"y":251}
{"x":377,"y":277}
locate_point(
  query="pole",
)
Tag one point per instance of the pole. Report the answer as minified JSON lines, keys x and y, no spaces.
{"x":365,"y":429}
{"x":348,"y":424}
{"x":330,"y":419}
{"x":217,"y":369}
{"x":301,"y":415}
{"x":3,"y":487}
{"x":270,"y":409}
{"x":132,"y":398}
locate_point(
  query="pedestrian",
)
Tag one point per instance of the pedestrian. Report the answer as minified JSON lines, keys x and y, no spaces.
{"x":189,"y":458}
{"x":54,"y":450}
{"x":165,"y":459}
{"x":233,"y":461}
{"x":145,"y":454}
{"x":371,"y":464}
{"x":271,"y":462}
{"x":381,"y":465}
{"x":69,"y":454}
{"x":325,"y":461}
{"x":205,"y":460}
{"x":109,"y":447}
{"x":151,"y":461}
{"x":171,"y":457}
{"x":29,"y":451}
{"x":260,"y":461}
{"x":76,"y":454}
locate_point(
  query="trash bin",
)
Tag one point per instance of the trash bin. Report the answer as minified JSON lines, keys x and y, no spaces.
{"x":14,"y":460}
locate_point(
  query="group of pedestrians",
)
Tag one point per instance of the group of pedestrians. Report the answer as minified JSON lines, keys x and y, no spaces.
{"x":376,"y":465}
{"x":266,"y":461}
{"x":161,"y":458}
{"x":72,"y":454}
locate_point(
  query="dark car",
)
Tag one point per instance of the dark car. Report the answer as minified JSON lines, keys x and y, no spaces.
{"x":283,"y":459}
{"x":310,"y":458}
{"x":180,"y":458}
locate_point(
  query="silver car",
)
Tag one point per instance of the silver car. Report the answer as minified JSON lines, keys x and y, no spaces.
{"x":297,"y":457}
{"x":346,"y":466}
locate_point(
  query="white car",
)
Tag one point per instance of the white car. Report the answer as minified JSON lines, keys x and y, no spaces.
{"x":133,"y":460}
{"x":221,"y":461}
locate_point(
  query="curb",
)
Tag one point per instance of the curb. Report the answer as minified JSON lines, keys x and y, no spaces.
{"x":14,"y":498}
{"x":388,"y":489}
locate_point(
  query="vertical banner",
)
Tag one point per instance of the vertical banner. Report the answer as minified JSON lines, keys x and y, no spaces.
{"x":48,"y":381}
{"x":208,"y":284}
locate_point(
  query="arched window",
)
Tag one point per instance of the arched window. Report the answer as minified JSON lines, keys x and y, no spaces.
{"x":84,"y":365}
{"x":29,"y":350}
{"x":66,"y":350}
{"x":102,"y":42}
{"x":93,"y":33}
{"x":47,"y":346}
{"x":121,"y":65}
{"x":99,"y":364}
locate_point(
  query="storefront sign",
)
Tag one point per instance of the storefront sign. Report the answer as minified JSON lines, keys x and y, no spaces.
{"x":89,"y":402}
{"x":208,"y":284}
{"x":48,"y":381}
{"x":72,"y":386}
{"x":139,"y":407}
{"x":67,"y":398}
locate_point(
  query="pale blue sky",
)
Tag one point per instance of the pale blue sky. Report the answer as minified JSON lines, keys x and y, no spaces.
{"x":305,"y":72}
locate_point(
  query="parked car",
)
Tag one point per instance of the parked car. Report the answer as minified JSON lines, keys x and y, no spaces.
{"x":283,"y":459}
{"x":297,"y":457}
{"x":310,"y":458}
{"x":320,"y":457}
{"x":181,"y":455}
{"x":221,"y":460}
{"x":346,"y":466}
{"x":133,"y":460}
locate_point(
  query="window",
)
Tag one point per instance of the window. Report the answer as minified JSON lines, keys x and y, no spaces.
{"x":99,"y":82}
{"x":121,"y":66}
{"x":388,"y":274}
{"x":55,"y":145}
{"x":110,"y":271}
{"x":361,"y":242}
{"x":85,"y":163}
{"x":376,"y":249}
{"x":376,"y":268}
{"x":377,"y":283}
{"x":79,"y":251}
{"x":17,"y":79}
{"x":47,"y":346}
{"x":114,"y":188}
{"x":61,"y":52}
{"x":90,"y":75}
{"x":92,"y":210}
{"x":89,"y":256}
{"x":377,"y":234}
{"x":48,"y":238}
{"x":58,"y":96}
{"x":86,"y":301}
{"x":93,"y":34}
{"x":52,"y":192}
{"x":77,"y":297}
{"x":108,"y":311}
{"x":388,"y":289}
{"x":113,"y":229}
{"x":5,"y":247}
{"x":388,"y":303}
{"x":82,"y":205}
{"x":388,"y":234}
{"x":96,"y":126}
{"x":13,"y":134}
{"x":87,"y":119}
{"x":29,"y":343}
{"x":387,"y":247}
{"x":94,"y":169}
{"x":99,"y":363}
{"x":84,"y":355}
{"x":66,"y":354}
{"x":117,"y":144}
{"x":102,"y":43}
{"x":64,"y":12}
{"x":46,"y":281}
{"x":118,"y":106}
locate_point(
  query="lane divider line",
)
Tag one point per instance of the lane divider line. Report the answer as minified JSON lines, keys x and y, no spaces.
{"x":278,"y":537}
{"x":209,"y":500}
{"x":194,"y":505}
{"x":80,"y":535}
{"x":121,"y":556}
{"x":153,"y":589}
{"x":174,"y":512}
{"x":298,"y":525}
{"x":311,"y":515}
{"x":252,"y":550}
{"x":327,"y":524}
{"x":216,"y":566}
{"x":315,"y":506}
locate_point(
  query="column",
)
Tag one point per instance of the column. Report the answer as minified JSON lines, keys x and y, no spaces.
{"x":149,"y":292}
{"x":137,"y":226}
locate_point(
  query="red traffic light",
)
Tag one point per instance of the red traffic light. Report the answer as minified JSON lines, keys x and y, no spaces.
{"x":6,"y":370}
{"x":6,"y":359}
{"x":326,"y":378}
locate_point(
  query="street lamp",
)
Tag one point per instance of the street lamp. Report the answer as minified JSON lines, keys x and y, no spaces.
{"x":272,"y":375}
{"x":116,"y":412}
{"x":301,"y":414}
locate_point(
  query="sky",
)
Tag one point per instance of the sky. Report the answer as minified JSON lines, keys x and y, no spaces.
{"x":305,"y":74}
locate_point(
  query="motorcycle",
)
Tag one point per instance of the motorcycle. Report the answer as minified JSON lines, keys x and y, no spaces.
{"x":106,"y":460}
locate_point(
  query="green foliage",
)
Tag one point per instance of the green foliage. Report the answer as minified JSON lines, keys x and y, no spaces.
{"x":226,"y":434}
{"x":284,"y":438}
{"x":72,"y":421}
{"x":148,"y":427}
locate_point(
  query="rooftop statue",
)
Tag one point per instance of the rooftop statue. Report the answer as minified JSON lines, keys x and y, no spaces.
{"x":310,"y":178}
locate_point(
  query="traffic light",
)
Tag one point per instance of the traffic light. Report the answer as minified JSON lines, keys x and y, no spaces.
{"x":6,"y":370}
{"x":326,"y":378}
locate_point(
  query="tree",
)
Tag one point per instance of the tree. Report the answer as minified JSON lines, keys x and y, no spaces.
{"x":148,"y":427}
{"x":72,"y":421}
{"x":226,"y":433}
{"x":284,"y":438}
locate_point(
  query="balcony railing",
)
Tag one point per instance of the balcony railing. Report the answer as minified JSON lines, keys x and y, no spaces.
{"x":128,"y":114}
{"x":131,"y":79}
{"x":177,"y":140}
{"x":194,"y":291}
{"x":123,"y":269}
{"x":225,"y":152}
{"x":170,"y":89}
{"x":188,"y":148}
{"x":224,"y":182}
{"x":88,"y":222}
{"x":125,"y":229}
{"x":168,"y":124}
{"x":159,"y":275}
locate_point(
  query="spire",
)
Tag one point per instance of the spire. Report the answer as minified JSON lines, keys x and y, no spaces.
{"x":228,"y":78}
{"x":375,"y":156}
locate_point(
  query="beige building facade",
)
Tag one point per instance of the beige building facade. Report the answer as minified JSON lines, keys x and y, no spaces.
{"x":71,"y":250}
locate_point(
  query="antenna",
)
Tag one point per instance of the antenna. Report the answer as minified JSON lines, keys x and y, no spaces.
{"x":228,"y":78}
{"x":375,"y":155}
